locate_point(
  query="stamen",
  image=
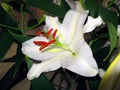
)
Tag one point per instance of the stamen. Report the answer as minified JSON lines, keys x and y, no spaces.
{"x":54,"y":34}
{"x":38,"y":33}
{"x":39,"y":42}
{"x":41,"y":33}
{"x":47,"y":44}
{"x":49,"y":32}
{"x":43,"y":43}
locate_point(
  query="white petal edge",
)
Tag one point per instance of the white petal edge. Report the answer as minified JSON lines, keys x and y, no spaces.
{"x":36,"y":69}
{"x":92,"y":23}
{"x":71,"y":3}
{"x":45,"y":66}
{"x":101,"y":72}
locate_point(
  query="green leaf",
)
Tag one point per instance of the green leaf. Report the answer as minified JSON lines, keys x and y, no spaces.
{"x":5,"y":19}
{"x":92,"y":6}
{"x":8,"y":9}
{"x":20,"y":38}
{"x":5,"y":43}
{"x":64,"y":5}
{"x":110,"y":80}
{"x":111,"y":2}
{"x":8,"y":0}
{"x":97,"y":44}
{"x":5,"y":38}
{"x":99,"y":56}
{"x":41,"y":83}
{"x":94,"y":83}
{"x":48,"y":6}
{"x":113,"y":38}
{"x":111,"y":19}
{"x":29,"y":62}
{"x":108,"y":16}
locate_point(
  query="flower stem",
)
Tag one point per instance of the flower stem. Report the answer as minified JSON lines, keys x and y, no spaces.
{"x":9,"y":27}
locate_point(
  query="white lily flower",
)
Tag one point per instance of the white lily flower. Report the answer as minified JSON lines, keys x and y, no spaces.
{"x":63,"y":46}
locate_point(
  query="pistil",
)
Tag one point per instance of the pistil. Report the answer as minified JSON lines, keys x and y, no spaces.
{"x":54,"y":34}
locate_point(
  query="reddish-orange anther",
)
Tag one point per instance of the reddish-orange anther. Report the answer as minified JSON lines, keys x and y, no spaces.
{"x":54,"y":34}
{"x":38,"y":33}
{"x":43,"y":43}
{"x":39,"y":42}
{"x":49,"y":32}
{"x":47,"y":44}
{"x":41,"y":33}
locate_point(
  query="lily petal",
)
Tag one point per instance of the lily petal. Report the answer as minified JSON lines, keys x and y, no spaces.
{"x":92,"y":24}
{"x":79,"y":32}
{"x":45,"y":66}
{"x":52,"y":22}
{"x":83,"y":68}
{"x":32,"y":50}
{"x":72,"y":21}
{"x":83,"y":62}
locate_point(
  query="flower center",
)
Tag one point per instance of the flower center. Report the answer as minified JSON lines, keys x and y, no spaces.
{"x":73,"y":53}
{"x":52,"y":40}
